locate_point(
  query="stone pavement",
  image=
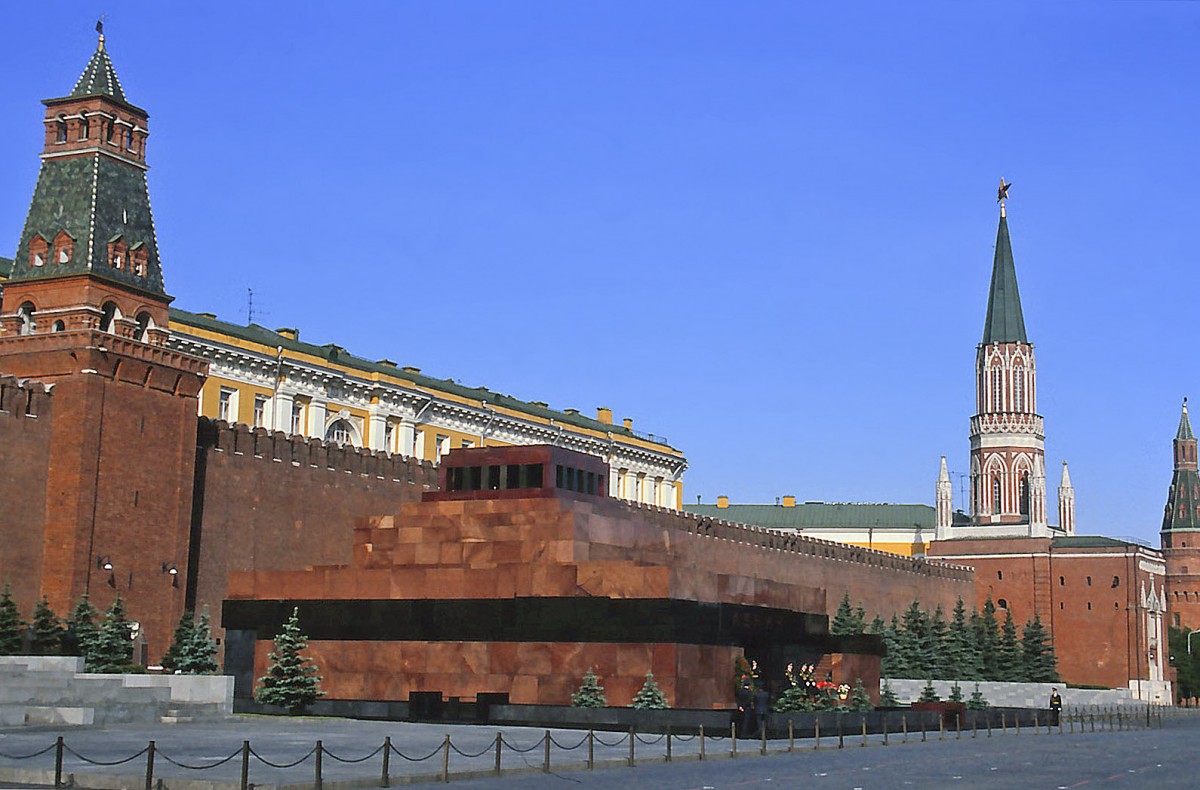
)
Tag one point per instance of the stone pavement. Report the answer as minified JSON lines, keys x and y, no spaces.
{"x":1162,"y":757}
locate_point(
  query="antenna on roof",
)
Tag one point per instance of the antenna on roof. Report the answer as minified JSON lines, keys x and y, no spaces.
{"x":249,"y":306}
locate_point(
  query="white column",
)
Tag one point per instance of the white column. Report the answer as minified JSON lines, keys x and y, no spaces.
{"x":407,"y":438}
{"x":376,"y":428}
{"x":316,"y":419}
{"x":281,"y":411}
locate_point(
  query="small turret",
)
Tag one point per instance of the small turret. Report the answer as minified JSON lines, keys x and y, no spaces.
{"x":1066,"y":503}
{"x":945,"y":503}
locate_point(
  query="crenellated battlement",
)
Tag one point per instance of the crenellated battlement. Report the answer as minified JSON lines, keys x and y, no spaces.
{"x":302,"y":451}
{"x":21,"y":398}
{"x":720,"y":529}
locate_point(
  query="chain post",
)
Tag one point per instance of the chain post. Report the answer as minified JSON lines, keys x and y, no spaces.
{"x":446,"y":759}
{"x":864,"y":731}
{"x":385,"y":779}
{"x":791,"y":736}
{"x":763,"y":727}
{"x":150,"y":766}
{"x":668,"y":743}
{"x":885,"y":729}
{"x":592,"y":748}
{"x":957,"y":726}
{"x":1035,"y":723}
{"x":632,"y":740}
{"x":923,"y":736}
{"x":245,"y":765}
{"x":941,"y":727}
{"x":841,"y":735}
{"x":58,"y":760}
{"x":816,"y":733}
{"x":733,"y":739}
{"x":904,"y":725}
{"x":320,"y":755}
{"x":701,"y":742}
{"x":499,"y":744}
{"x":546,"y":754}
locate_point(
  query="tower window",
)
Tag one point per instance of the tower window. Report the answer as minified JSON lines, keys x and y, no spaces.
{"x":1018,"y":389}
{"x":144,"y":322}
{"x":297,"y":417}
{"x":997,"y":505}
{"x":108,"y":314}
{"x":137,"y":261}
{"x":26,"y":313}
{"x":39,"y":248}
{"x":1089,"y":581}
{"x":64,"y":247}
{"x":1000,"y":575}
{"x":997,"y":389}
{"x":84,"y":127}
{"x":1062,"y":581}
{"x":1025,"y":494}
{"x":59,"y":326}
{"x":1001,"y":603}
{"x":1116,"y":582}
{"x":60,"y":129}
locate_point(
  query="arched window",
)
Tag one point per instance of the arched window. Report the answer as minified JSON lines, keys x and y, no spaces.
{"x":997,"y":388}
{"x":64,"y":246}
{"x":1018,"y":389}
{"x":1025,"y":494}
{"x":340,"y":432}
{"x":110,"y":129}
{"x":60,"y":129}
{"x":129,"y":140}
{"x":109,"y":314}
{"x":1001,"y":603}
{"x":144,"y":322}
{"x":84,"y":127}
{"x":59,"y":326}
{"x":26,"y":313}
{"x":39,"y":249}
{"x":997,"y":506}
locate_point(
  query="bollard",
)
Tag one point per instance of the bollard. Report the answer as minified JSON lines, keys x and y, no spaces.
{"x":1035,"y":723}
{"x":733,"y":740}
{"x":904,"y":725}
{"x":974,"y":725}
{"x":1092,"y":717}
{"x":702,"y":742}
{"x":246,"y":766}
{"x":987,"y":722}
{"x":886,"y":721}
{"x":1120,"y":722}
{"x":957,"y":727}
{"x":841,"y":736}
{"x":499,"y":748}
{"x":864,"y":730}
{"x":763,"y":729}
{"x":1003,"y":724}
{"x":668,"y":743}
{"x":446,"y":759}
{"x":632,"y":740}
{"x":320,"y":751}
{"x":923,"y":729}
{"x":941,"y":728}
{"x":816,"y":734}
{"x":58,"y":753}
{"x":1060,"y":729}
{"x":1017,"y":722}
{"x":1071,"y":723}
{"x":791,"y":736}
{"x":150,"y":766}
{"x":546,"y":753}
{"x":592,"y":747}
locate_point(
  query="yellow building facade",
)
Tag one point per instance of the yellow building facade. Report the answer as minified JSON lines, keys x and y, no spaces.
{"x":271,"y":379}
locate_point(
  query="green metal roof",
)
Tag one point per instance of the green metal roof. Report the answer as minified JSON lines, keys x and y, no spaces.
{"x":1004,"y":323}
{"x":95,"y":199}
{"x":99,"y":78}
{"x":822,"y":515}
{"x":1185,"y":425}
{"x":1089,"y":542}
{"x":255,"y":333}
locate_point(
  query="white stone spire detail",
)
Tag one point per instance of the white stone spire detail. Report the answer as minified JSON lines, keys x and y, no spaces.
{"x":945,"y":504}
{"x":1066,"y":503}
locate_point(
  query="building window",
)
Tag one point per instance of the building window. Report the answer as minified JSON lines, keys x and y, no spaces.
{"x":1018,"y":389}
{"x":26,"y":313}
{"x":1116,"y":582}
{"x":297,"y":418}
{"x":997,"y":505}
{"x":59,"y":326}
{"x":466,"y":444}
{"x":60,"y":129}
{"x":1176,"y":620}
{"x":389,"y":437}
{"x":443,"y":444}
{"x":84,"y":127}
{"x":1089,"y":581}
{"x":227,"y":404}
{"x":997,"y":388}
{"x":340,"y":433}
{"x":260,"y":410}
{"x":1062,"y":581}
{"x":999,"y":575}
{"x":144,"y":322}
{"x":1001,"y":603}
{"x":1024,"y":494}
{"x":39,"y":248}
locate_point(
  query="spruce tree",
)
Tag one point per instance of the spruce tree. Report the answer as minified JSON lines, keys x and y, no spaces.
{"x":929,"y":694}
{"x":113,"y":650}
{"x":887,"y":697}
{"x":179,"y":640}
{"x":1037,"y":653}
{"x":977,"y":701}
{"x":859,"y":699}
{"x":877,"y":626}
{"x":860,"y":619}
{"x":591,"y":693}
{"x":199,"y":653}
{"x":1008,"y":652}
{"x":47,"y":628}
{"x":291,"y":681}
{"x":650,"y":697}
{"x":934,"y":649}
{"x":956,"y":694}
{"x":11,"y":624}
{"x":843,"y":621}
{"x":82,"y":632}
{"x":987,"y":637}
{"x":895,"y":664}
{"x":962,"y":651}
{"x":912,"y":640}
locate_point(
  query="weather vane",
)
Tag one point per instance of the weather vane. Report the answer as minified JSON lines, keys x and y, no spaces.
{"x":1002,"y":192}
{"x":100,"y":28}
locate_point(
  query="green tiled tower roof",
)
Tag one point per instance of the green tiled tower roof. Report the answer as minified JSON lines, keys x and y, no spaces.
{"x":1004,"y":323}
{"x":99,"y":78}
{"x":96,"y":198}
{"x":1183,"y":501}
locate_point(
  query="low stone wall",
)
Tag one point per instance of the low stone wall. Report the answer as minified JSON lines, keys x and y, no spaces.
{"x":1026,"y":695}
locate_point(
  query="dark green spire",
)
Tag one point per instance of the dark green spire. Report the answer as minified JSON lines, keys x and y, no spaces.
{"x":99,"y":78}
{"x":1185,"y":425}
{"x":1005,"y":323}
{"x":1183,"y":500}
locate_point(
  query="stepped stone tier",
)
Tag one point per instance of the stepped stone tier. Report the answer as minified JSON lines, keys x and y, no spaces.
{"x":520,"y":573}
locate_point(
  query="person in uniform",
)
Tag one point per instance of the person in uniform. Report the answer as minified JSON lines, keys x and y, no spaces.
{"x":1055,"y":706}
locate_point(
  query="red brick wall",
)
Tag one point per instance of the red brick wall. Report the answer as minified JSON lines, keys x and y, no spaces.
{"x":26,"y":418}
{"x":1183,"y":579}
{"x":274,"y":502}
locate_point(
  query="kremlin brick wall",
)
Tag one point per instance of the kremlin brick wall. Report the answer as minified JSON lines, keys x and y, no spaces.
{"x":25,"y":422}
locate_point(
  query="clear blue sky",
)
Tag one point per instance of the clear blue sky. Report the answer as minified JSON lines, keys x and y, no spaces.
{"x":763,"y":230}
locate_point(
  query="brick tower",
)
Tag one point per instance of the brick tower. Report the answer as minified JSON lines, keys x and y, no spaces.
{"x":1181,"y":530}
{"x":1008,"y":468}
{"x":85,"y":311}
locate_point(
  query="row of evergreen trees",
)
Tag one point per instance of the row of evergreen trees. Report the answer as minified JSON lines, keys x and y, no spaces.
{"x":105,"y":642}
{"x":975,"y":646}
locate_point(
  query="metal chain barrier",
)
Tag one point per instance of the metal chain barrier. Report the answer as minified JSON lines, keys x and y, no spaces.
{"x":178,"y":764}
{"x":485,"y":750}
{"x":582,"y":741}
{"x":131,"y":758}
{"x":27,"y":756}
{"x":436,"y":750}
{"x":617,"y":742}
{"x":651,"y":741}
{"x":270,"y":764}
{"x":349,"y":760}
{"x":523,"y":751}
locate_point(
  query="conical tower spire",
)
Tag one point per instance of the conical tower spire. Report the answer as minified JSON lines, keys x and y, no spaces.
{"x":1004,"y":323}
{"x":1185,"y":425}
{"x":1183,"y":500}
{"x":99,"y":78}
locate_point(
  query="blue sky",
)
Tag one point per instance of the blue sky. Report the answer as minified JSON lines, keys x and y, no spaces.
{"x":763,"y":230}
